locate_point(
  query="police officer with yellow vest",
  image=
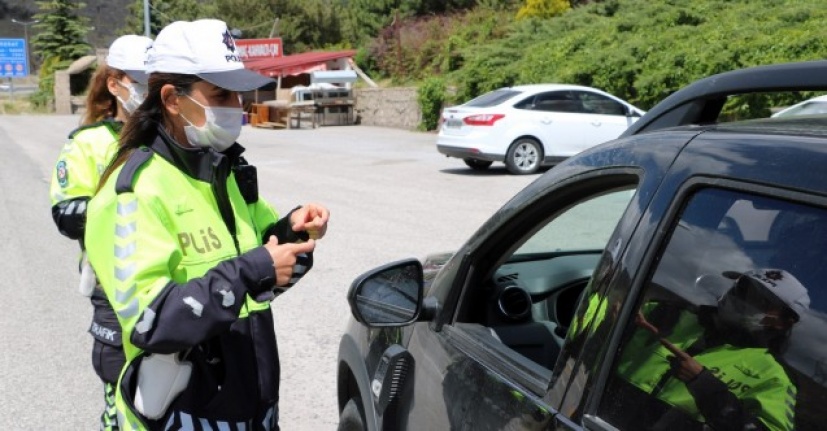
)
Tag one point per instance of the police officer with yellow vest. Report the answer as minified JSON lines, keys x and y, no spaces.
{"x":717,"y":368}
{"x":188,"y":253}
{"x":115,"y":90}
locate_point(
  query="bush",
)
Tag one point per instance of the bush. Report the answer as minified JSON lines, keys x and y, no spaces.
{"x":431,"y":97}
{"x":639,"y":50}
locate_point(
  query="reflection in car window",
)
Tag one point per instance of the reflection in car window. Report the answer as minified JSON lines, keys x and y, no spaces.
{"x":731,"y":330}
{"x":586,"y":226}
{"x":493,"y":98}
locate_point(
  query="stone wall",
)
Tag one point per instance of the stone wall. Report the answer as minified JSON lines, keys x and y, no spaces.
{"x":388,"y":107}
{"x":72,"y":83}
{"x":63,"y":93}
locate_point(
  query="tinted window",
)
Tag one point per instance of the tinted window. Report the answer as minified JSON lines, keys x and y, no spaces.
{"x":731,"y":332}
{"x":552,"y":101}
{"x":493,"y":98}
{"x":599,"y":104}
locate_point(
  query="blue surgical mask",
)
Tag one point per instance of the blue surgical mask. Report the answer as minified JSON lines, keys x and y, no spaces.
{"x":221,"y":129}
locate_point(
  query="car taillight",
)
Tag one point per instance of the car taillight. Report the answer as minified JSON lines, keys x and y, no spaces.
{"x":482,"y":119}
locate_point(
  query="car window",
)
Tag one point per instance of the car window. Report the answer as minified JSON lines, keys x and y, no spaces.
{"x":530,"y":299}
{"x":585,"y":226}
{"x":552,"y":101}
{"x":731,"y":330}
{"x":492,"y":98}
{"x":594,"y":103}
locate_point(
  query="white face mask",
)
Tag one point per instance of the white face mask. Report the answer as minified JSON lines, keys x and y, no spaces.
{"x":136,"y":96}
{"x":221,"y":129}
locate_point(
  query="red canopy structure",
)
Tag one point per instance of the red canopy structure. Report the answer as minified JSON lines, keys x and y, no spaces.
{"x":296,"y":64}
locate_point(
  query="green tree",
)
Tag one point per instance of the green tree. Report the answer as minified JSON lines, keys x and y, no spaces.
{"x":363,"y":19}
{"x":430,"y":7}
{"x":308,"y":24}
{"x":60,"y":40}
{"x":291,"y":15}
{"x":163,"y":12}
{"x":61,"y":30}
{"x":543,"y":8}
{"x":254,"y":18}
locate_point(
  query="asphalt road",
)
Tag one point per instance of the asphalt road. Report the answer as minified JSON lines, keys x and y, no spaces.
{"x":391,"y":196}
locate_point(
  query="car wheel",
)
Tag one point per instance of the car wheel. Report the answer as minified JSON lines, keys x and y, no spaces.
{"x":477,"y":165}
{"x":352,"y":417}
{"x":524,"y":156}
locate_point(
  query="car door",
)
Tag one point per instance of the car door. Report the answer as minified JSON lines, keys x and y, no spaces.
{"x":556,"y":117}
{"x":488,"y":365}
{"x":605,"y":118}
{"x":714,"y":233}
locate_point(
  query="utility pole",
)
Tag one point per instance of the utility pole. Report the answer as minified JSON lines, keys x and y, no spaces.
{"x":274,"y":31}
{"x":146,"y":19}
{"x":26,"y":25}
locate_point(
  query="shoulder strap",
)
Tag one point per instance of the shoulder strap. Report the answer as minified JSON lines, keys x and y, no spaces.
{"x":130,"y":168}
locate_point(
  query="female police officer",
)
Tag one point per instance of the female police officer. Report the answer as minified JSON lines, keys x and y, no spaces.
{"x":719,"y":368}
{"x":187,"y":253}
{"x":116,"y":89}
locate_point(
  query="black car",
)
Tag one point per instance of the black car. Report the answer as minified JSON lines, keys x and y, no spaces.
{"x":671,"y":279}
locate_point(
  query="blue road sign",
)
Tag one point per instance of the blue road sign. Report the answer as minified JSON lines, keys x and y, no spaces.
{"x":14,"y":61}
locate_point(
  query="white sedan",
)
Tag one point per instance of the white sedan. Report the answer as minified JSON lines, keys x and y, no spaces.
{"x":814,"y":106}
{"x":529,"y":126}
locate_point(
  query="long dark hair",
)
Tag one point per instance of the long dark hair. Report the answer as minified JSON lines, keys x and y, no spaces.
{"x":100,"y":103}
{"x":142,"y":126}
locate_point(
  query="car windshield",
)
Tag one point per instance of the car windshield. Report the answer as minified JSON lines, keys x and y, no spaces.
{"x":811,"y":108}
{"x":493,"y":98}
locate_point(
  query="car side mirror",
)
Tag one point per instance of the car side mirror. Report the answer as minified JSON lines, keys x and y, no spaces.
{"x":390,"y":295}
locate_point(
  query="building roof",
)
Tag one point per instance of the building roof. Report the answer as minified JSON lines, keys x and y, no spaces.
{"x":297,"y":63}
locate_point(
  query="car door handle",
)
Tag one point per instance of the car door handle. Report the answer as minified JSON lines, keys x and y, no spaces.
{"x":596,"y":123}
{"x":546,"y":120}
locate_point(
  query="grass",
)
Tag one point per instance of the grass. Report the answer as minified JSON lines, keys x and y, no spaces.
{"x":20,"y":105}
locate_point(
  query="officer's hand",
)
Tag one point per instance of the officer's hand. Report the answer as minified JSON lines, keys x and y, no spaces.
{"x":311,"y":218}
{"x":686,"y":367}
{"x":640,"y":320}
{"x":284,"y":257}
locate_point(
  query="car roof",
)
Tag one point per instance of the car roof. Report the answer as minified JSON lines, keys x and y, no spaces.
{"x":702,"y":101}
{"x":550,"y":87}
{"x":815,"y":126}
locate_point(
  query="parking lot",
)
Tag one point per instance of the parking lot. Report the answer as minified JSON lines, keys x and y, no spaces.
{"x":391,"y":196}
